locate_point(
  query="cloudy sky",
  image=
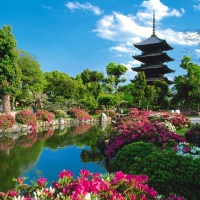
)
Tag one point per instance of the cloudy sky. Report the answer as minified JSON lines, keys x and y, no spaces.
{"x":71,"y":36}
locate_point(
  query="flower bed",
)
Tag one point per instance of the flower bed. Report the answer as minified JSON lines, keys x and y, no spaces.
{"x":87,"y":186}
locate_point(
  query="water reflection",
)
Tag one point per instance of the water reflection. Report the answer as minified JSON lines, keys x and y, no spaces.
{"x":47,"y":152}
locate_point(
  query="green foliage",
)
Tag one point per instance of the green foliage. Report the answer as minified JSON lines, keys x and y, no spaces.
{"x":26,"y":117}
{"x":167,"y":171}
{"x":108,"y":100}
{"x":116,"y":71}
{"x":129,"y":153}
{"x":60,"y":114}
{"x":10,"y":73}
{"x":193,"y":134}
{"x":6,"y":121}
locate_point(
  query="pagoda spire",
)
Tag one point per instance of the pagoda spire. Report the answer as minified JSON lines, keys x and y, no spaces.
{"x":154,"y":26}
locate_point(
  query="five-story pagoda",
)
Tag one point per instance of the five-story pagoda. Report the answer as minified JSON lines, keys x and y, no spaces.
{"x":153,"y":56}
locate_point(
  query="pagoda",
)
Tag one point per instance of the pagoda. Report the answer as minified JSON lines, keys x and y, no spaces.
{"x":153,"y":58}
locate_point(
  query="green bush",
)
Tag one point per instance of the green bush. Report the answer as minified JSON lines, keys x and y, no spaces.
{"x":60,"y":114}
{"x":193,"y":134}
{"x":168,"y":172}
{"x":128,"y":154}
{"x":6,"y":121}
{"x":26,"y":117}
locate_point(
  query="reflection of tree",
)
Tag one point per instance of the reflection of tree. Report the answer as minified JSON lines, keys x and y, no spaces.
{"x":88,"y":156}
{"x":11,"y":164}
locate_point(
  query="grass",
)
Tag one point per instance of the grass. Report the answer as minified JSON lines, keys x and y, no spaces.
{"x":182,"y":131}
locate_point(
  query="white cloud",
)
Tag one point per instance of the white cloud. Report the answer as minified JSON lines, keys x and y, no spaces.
{"x":45,"y":7}
{"x":87,"y":6}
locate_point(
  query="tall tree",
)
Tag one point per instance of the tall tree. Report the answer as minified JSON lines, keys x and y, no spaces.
{"x":140,"y":86}
{"x":60,"y":84}
{"x":114,"y":72}
{"x":10,"y":73}
{"x":32,"y":78}
{"x":187,"y":87}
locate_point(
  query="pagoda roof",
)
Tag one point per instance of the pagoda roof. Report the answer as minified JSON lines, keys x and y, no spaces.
{"x":161,"y":67}
{"x":159,"y":57}
{"x":153,"y":43}
{"x":151,"y":80}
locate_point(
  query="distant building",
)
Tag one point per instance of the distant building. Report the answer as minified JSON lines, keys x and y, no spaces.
{"x":152,"y":58}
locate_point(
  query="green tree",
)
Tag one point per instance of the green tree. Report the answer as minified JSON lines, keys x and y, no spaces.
{"x":32,"y":78}
{"x":92,"y":80}
{"x":114,"y":73}
{"x":187,"y":87}
{"x":162,"y":94}
{"x":140,"y":86}
{"x":10,"y":73}
{"x":60,"y":84}
{"x":150,"y":93}
{"x":109,"y":100}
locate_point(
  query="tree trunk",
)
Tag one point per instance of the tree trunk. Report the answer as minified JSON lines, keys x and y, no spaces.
{"x":6,"y":103}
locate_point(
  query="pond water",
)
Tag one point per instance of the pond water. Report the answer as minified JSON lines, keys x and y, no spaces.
{"x":48,"y":152}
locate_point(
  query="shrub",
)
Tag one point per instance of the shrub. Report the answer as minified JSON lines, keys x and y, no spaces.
{"x":135,"y":131}
{"x":60,"y":114}
{"x":193,"y":134}
{"x":168,"y":172}
{"x":45,"y":115}
{"x":26,"y":117}
{"x":128,"y":154}
{"x":112,"y":114}
{"x":6,"y":121}
{"x":80,"y":114}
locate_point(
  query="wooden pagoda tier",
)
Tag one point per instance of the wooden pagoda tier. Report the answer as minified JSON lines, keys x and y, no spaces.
{"x":153,"y":44}
{"x":152,"y":58}
{"x":153,"y":70}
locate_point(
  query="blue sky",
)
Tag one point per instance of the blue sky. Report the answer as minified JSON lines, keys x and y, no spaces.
{"x":71,"y":36}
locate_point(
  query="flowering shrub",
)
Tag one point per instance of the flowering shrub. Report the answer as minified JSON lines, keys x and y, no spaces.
{"x":60,"y":114}
{"x":26,"y":117}
{"x":134,"y":131}
{"x":193,"y":134}
{"x":81,"y":115}
{"x":169,"y":126}
{"x":6,"y":121}
{"x":177,"y":120}
{"x":45,"y":115}
{"x":185,"y":149}
{"x":112,"y":114}
{"x":88,"y":186}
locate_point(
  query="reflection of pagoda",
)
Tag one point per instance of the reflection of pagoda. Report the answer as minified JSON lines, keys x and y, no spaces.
{"x":153,"y":56}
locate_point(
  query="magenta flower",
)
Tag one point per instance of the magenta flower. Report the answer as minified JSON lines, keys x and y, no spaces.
{"x":66,"y":174}
{"x":13,"y":193}
{"x":20,"y":180}
{"x":175,"y":148}
{"x":41,"y":181}
{"x":84,"y":173}
{"x":186,"y":149}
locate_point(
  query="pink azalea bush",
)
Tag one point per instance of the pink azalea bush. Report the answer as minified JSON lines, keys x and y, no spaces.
{"x":118,"y":186}
{"x":26,"y":117}
{"x":80,"y":114}
{"x":138,"y":127}
{"x":6,"y":121}
{"x":45,"y":115}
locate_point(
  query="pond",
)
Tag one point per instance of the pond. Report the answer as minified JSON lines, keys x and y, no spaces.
{"x":48,"y":152}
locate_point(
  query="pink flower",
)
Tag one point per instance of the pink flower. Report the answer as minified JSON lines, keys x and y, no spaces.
{"x":66,"y":174}
{"x":13,"y":193}
{"x":56,"y":185}
{"x":41,"y":181}
{"x":84,"y":173}
{"x":20,"y":180}
{"x":175,"y":148}
{"x":186,"y":149}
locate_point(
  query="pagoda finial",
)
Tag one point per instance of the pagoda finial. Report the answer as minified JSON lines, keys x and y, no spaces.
{"x":154,"y":26}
